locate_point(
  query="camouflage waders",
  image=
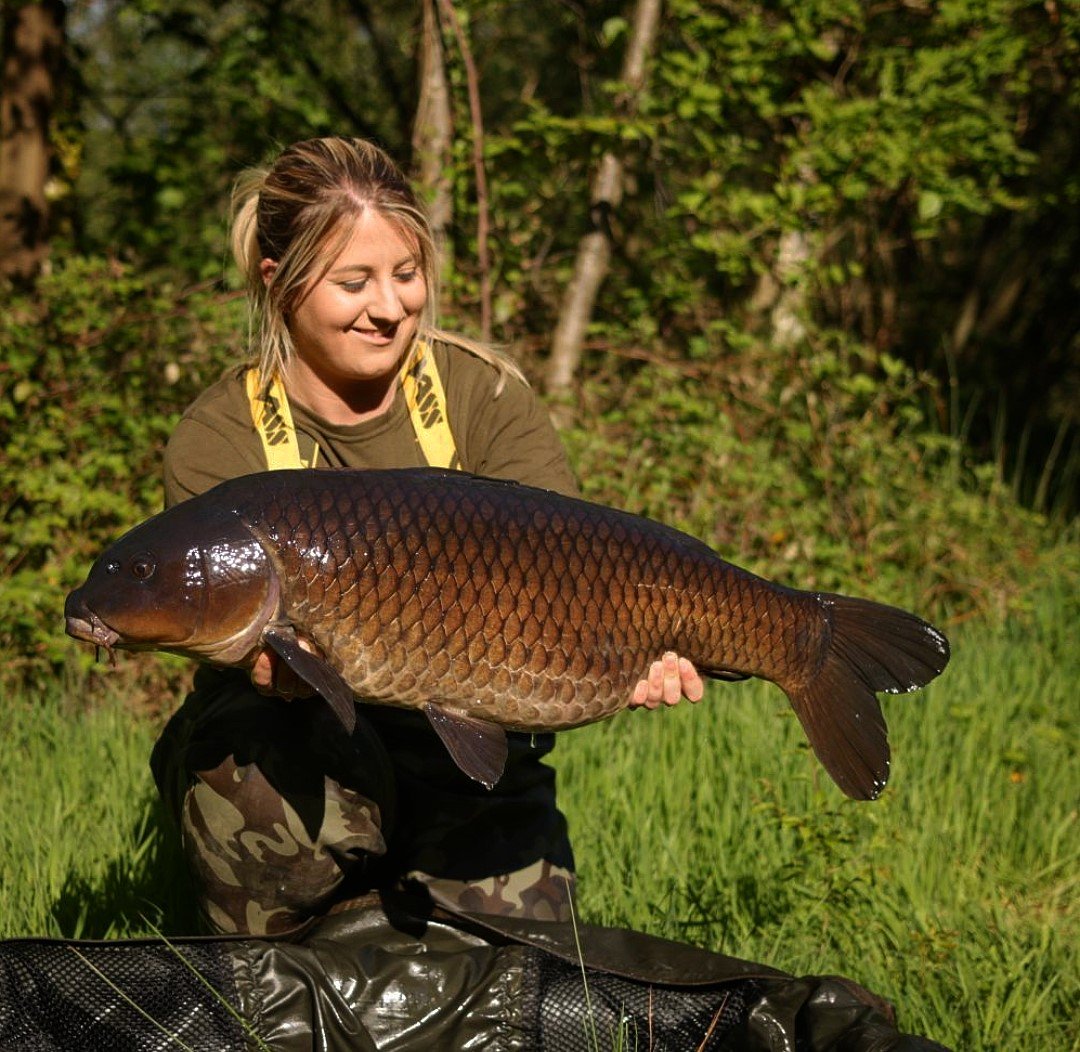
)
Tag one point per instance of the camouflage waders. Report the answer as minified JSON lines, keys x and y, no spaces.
{"x":281,"y":813}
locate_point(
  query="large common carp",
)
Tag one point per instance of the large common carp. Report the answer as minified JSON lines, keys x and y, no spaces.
{"x":490,"y":605}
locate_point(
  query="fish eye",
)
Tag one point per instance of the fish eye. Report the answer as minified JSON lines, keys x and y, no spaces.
{"x":143,"y":567}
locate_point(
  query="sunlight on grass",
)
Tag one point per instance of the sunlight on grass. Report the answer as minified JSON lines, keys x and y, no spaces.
{"x":82,"y":850}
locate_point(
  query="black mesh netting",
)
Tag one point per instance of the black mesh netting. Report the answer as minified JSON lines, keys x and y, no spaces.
{"x":630,"y":1014}
{"x":62,"y":996}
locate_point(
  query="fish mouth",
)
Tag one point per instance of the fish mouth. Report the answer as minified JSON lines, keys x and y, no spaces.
{"x":92,"y":630}
{"x":86,"y":625}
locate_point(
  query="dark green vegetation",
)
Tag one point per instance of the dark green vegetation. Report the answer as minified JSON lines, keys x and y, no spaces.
{"x":838,"y":341}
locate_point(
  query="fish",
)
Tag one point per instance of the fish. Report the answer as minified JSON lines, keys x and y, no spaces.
{"x":491,"y":606}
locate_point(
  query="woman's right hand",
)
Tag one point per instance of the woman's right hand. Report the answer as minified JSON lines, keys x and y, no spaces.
{"x":271,"y":676}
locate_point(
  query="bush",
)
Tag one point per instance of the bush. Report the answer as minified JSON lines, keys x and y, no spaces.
{"x":820,"y":467}
{"x":99,"y":365}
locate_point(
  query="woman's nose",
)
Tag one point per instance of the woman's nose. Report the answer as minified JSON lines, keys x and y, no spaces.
{"x":385,"y":303}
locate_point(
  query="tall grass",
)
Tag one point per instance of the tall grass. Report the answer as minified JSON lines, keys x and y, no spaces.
{"x":83,"y":852}
{"x":955,"y":894}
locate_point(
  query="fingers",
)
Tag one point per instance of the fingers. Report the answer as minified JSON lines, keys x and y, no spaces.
{"x":271,"y":676}
{"x":669,"y":680}
{"x":693,"y":689}
{"x":262,"y":672}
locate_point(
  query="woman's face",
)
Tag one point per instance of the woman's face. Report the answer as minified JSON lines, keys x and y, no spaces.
{"x":357,"y":321}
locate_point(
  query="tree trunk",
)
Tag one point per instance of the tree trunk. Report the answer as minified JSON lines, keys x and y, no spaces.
{"x":472,"y":80}
{"x":594,"y":250}
{"x":433,"y":129}
{"x":787,"y":318}
{"x":31,"y":52}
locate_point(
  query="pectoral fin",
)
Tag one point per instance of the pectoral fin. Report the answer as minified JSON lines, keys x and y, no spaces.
{"x":315,"y":672}
{"x":477,"y":746}
{"x":726,"y":674}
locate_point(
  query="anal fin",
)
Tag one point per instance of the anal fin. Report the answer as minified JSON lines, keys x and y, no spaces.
{"x":726,"y":674}
{"x":478,"y":747}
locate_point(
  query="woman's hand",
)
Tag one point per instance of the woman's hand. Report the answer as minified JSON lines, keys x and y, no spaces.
{"x":670,"y":679}
{"x":270,"y":675}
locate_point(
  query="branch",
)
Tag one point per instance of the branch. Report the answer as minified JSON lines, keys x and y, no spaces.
{"x":473,"y":82}
{"x":362,"y":13}
{"x":594,"y":249}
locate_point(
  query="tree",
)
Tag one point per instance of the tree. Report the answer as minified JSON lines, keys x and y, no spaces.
{"x":433,"y":128}
{"x":594,"y":250}
{"x":31,"y":53}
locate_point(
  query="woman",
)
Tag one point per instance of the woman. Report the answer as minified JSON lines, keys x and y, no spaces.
{"x":282,"y":814}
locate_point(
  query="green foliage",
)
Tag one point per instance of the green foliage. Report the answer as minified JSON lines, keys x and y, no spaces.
{"x":152,"y":174}
{"x":98,"y":367}
{"x":818,"y":468}
{"x":887,"y":171}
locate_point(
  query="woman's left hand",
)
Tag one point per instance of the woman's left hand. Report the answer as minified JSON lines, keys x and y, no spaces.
{"x":670,"y":679}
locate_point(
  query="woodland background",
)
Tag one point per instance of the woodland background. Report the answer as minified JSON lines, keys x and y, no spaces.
{"x":797,"y":276}
{"x":833,"y":243}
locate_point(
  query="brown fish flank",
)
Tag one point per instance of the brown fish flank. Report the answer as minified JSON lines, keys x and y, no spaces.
{"x":491,"y":605}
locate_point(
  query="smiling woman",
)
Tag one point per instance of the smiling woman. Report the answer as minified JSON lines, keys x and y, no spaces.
{"x":347,"y":370}
{"x":353,"y":325}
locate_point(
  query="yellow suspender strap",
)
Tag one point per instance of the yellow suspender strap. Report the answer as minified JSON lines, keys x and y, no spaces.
{"x":273,"y":420}
{"x":425,"y":399}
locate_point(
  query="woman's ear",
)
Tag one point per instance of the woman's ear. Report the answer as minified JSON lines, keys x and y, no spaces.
{"x":267,"y":268}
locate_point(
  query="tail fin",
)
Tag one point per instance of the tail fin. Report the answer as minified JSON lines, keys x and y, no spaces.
{"x":869,"y":648}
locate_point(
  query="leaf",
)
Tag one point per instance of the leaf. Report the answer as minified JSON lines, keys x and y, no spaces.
{"x":930,"y":205}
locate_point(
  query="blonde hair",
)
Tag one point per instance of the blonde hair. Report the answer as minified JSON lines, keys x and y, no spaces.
{"x":298,"y":212}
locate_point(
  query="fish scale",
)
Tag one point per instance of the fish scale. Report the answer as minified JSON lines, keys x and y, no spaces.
{"x":491,"y":605}
{"x":609,"y":593}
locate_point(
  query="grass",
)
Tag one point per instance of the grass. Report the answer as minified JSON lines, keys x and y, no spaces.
{"x":955,"y":894}
{"x":83,"y":852}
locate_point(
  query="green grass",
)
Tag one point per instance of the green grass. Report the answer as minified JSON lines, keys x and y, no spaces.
{"x":955,"y":895}
{"x":83,"y":853}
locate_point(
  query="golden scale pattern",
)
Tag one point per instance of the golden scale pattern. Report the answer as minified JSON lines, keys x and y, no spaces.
{"x":509,"y":604}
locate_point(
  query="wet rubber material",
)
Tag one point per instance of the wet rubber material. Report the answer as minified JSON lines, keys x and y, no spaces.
{"x":394,"y":974}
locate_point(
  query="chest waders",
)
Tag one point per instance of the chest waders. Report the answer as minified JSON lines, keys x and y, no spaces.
{"x":398,"y":971}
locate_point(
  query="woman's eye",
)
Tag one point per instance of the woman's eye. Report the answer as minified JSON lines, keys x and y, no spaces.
{"x":406,"y":275}
{"x":354,"y":286}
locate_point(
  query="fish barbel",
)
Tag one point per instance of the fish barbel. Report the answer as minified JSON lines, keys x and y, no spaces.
{"x":490,"y":605}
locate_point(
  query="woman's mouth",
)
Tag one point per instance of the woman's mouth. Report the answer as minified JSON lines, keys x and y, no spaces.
{"x":382,"y":337}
